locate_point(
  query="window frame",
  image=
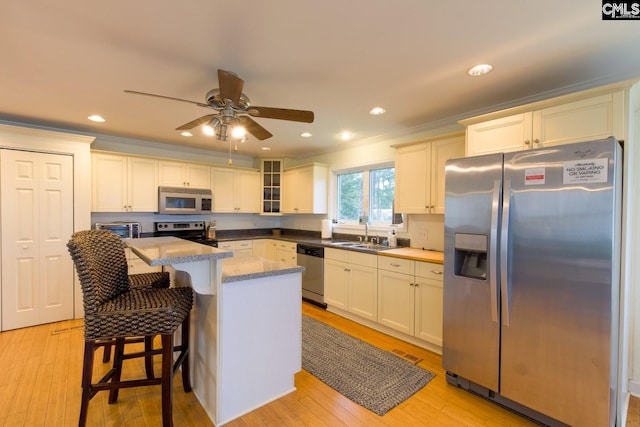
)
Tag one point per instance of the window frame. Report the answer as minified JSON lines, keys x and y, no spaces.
{"x":351,"y":227}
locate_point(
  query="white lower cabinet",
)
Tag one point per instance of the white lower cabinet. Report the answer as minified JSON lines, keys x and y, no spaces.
{"x":237,"y":246}
{"x":137,"y":265}
{"x":428,"y":287}
{"x":265,"y":248}
{"x":286,"y":252}
{"x":350,"y":282}
{"x":410,"y":297}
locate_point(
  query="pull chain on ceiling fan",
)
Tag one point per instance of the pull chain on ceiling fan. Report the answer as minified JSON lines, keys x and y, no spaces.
{"x":233,"y":110}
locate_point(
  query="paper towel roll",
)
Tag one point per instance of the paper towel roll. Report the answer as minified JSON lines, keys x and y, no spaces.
{"x":326,"y":229}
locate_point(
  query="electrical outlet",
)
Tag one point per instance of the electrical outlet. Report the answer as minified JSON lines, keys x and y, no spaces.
{"x":422,"y":234}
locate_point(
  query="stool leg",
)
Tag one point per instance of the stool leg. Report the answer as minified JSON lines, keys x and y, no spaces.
{"x":106,"y":353}
{"x":186,"y":377}
{"x":87,"y":369}
{"x":167,"y":380}
{"x":117,"y":366}
{"x":148,"y":360}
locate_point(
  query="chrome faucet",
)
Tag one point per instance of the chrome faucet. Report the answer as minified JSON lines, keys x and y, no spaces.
{"x":377,"y":239}
{"x":366,"y":232}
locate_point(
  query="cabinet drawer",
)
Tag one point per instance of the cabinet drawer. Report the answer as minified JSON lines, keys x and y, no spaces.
{"x":228,"y":246}
{"x":287,"y":246}
{"x":335,"y":254}
{"x":399,"y":265}
{"x":429,"y":270}
{"x":367,"y":260}
{"x":244,"y":244}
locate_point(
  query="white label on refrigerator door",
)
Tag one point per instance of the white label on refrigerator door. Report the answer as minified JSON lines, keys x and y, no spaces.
{"x":534,"y":176}
{"x":585,"y":171}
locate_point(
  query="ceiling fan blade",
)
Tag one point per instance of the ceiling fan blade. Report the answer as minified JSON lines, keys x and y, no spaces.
{"x":230,"y":86}
{"x":282,"y":114}
{"x":196,"y":122}
{"x":135,"y":92}
{"x":254,"y":128}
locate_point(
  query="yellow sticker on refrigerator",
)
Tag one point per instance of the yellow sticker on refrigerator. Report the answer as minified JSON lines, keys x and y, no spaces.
{"x":585,"y":171}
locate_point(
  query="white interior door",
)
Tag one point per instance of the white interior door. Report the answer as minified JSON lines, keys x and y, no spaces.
{"x":37,"y":221}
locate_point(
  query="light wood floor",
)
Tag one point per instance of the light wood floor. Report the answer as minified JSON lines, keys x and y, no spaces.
{"x":40,"y":386}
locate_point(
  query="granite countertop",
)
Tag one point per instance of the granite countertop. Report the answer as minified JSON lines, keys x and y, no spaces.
{"x":246,"y":267}
{"x":415,"y":254}
{"x":157,"y":251}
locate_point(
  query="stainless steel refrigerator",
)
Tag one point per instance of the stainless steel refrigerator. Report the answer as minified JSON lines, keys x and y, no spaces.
{"x":532,"y":277}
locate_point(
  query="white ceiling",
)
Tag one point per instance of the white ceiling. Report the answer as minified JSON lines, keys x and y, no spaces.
{"x":63,"y":61}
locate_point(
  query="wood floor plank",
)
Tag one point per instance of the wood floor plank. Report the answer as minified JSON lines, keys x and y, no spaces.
{"x":41,"y":386}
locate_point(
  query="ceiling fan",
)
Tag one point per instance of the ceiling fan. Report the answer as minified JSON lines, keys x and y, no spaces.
{"x":233,"y":109}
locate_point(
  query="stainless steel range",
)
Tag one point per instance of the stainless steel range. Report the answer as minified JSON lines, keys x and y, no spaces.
{"x":195,"y":231}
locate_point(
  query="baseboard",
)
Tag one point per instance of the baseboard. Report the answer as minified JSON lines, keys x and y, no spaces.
{"x":634,"y":388}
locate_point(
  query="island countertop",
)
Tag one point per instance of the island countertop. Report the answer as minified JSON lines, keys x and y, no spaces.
{"x":157,"y":251}
{"x":247,"y":267}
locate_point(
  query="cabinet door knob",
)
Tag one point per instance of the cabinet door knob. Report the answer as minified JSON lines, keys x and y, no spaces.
{"x":537,"y":141}
{"x":527,"y":142}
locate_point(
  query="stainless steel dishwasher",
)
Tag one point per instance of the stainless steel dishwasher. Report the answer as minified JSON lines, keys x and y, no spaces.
{"x":312,"y":259}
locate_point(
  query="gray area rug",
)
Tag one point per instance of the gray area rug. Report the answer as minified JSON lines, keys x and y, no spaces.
{"x":371,"y":377}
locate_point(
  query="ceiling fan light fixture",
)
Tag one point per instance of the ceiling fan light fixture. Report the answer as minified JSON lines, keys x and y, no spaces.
{"x":221,"y":132}
{"x":479,"y":70}
{"x":208,"y":130}
{"x":306,"y":134}
{"x":377,"y":111}
{"x":186,"y":134}
{"x":239,"y":132}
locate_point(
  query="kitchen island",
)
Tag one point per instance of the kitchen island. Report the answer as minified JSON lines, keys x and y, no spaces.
{"x":246,"y":325}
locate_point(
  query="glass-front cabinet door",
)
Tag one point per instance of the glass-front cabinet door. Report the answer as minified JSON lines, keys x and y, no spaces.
{"x":271,"y":185}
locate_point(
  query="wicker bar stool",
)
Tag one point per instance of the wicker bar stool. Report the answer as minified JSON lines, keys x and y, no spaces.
{"x":116,"y":311}
{"x":159,"y":279}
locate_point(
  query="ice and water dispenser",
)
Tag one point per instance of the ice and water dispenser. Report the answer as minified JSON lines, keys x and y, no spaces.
{"x":470,"y":256}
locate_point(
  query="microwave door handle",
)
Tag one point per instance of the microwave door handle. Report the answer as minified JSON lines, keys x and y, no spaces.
{"x":493,"y":249}
{"x":504,"y":252}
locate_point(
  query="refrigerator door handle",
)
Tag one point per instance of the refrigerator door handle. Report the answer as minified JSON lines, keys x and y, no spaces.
{"x":493,"y":249}
{"x":504,"y":250}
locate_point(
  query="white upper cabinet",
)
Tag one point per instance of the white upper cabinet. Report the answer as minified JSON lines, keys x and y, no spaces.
{"x":554,"y":122}
{"x":420,"y":174}
{"x":305,"y":189}
{"x":124,"y":183}
{"x":235,"y":190}
{"x":183,"y":174}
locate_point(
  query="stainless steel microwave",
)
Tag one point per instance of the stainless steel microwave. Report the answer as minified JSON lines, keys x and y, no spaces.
{"x":184,"y":200}
{"x":126,"y":230}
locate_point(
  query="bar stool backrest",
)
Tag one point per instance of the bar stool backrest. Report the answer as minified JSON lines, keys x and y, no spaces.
{"x":101,"y":264}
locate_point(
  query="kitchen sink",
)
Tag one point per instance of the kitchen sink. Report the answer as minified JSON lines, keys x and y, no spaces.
{"x":360,"y":245}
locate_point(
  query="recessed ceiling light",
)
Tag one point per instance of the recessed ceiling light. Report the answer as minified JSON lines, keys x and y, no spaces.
{"x":479,"y":70}
{"x":377,"y":111}
{"x":266,"y":148}
{"x":306,"y":134}
{"x":185,"y":133}
{"x":345,"y":135}
{"x":96,"y":118}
